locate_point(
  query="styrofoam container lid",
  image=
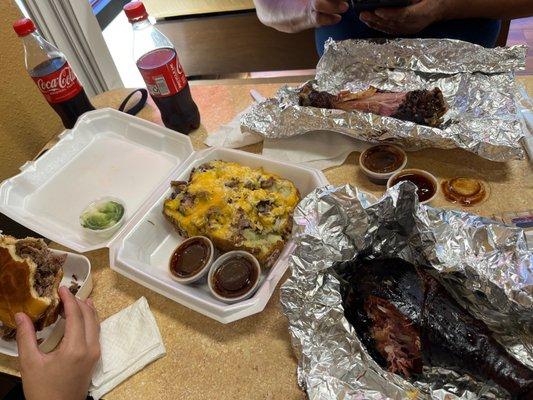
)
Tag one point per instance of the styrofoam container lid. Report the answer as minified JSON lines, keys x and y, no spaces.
{"x":107,"y":153}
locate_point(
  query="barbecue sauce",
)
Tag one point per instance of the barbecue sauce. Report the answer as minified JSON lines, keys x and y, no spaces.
{"x":464,"y":191}
{"x":190,"y":258}
{"x":235,"y":277}
{"x":383,"y":159}
{"x":425,"y":186}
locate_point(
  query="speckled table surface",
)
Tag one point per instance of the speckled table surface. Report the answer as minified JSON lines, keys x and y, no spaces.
{"x":252,"y":358}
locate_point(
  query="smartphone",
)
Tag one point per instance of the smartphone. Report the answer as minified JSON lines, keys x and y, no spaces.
{"x":362,"y":5}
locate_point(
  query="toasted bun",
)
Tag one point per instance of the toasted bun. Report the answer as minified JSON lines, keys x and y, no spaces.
{"x":17,"y":293}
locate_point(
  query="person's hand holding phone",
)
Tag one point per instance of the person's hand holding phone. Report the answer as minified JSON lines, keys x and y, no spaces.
{"x":405,"y":20}
{"x":297,"y":15}
{"x":325,"y":12}
{"x":64,"y":374}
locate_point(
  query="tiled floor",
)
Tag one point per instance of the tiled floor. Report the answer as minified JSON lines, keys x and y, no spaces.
{"x":521,"y":32}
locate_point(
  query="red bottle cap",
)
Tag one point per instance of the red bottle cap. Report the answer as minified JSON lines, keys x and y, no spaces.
{"x":135,"y":11}
{"x":24,"y":27}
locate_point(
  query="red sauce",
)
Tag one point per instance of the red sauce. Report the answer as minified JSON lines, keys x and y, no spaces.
{"x":235,"y":277}
{"x":190,"y":258}
{"x":426,"y":187}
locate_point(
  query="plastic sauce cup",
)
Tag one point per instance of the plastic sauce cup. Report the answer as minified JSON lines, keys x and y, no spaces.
{"x":234,"y":276}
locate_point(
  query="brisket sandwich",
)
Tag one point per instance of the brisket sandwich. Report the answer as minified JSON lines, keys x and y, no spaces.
{"x":30,"y":275}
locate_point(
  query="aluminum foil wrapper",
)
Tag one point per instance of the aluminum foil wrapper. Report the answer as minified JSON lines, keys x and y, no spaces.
{"x":477,"y":83}
{"x":485,"y":265}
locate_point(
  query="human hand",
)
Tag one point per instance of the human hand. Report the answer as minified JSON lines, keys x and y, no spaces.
{"x":297,"y":15}
{"x":405,"y":20}
{"x":64,"y":374}
{"x":325,"y":12}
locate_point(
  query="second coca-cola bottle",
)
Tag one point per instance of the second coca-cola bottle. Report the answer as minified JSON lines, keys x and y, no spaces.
{"x":52,"y":74}
{"x":161,"y":70}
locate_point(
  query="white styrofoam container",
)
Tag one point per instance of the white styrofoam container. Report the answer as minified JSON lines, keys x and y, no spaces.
{"x":142,"y":251}
{"x":109,"y":153}
{"x":51,"y":335}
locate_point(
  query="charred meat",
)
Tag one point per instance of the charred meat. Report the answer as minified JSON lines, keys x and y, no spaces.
{"x":424,"y":107}
{"x":406,"y":319}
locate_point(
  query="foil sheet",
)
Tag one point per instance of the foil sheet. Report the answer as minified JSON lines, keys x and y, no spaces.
{"x":485,"y":265}
{"x":477,"y":83}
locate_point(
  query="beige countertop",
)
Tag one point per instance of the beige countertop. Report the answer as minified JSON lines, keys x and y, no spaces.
{"x":164,"y":8}
{"x":252,"y":358}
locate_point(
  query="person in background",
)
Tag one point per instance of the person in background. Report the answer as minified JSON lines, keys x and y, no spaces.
{"x":65,"y":373}
{"x":476,"y":21}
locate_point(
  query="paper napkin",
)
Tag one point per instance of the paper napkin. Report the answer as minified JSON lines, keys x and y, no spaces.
{"x":317,"y":149}
{"x":129,"y":341}
{"x":230,"y":135}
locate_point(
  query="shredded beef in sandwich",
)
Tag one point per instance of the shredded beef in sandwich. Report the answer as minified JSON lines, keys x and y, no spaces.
{"x":48,"y":264}
{"x":74,"y":285}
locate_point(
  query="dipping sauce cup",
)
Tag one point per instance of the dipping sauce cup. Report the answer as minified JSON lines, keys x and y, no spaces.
{"x":382,"y":161}
{"x":426,"y":183}
{"x":234,"y":276}
{"x":191,"y":260}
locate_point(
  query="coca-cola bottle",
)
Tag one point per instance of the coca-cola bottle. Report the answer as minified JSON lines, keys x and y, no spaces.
{"x":161,"y":70}
{"x":51,"y":72}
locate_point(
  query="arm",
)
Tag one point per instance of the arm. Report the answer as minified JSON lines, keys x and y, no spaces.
{"x":422,"y":13}
{"x":297,"y":15}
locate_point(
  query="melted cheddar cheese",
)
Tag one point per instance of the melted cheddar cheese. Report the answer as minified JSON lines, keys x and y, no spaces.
{"x":237,"y":207}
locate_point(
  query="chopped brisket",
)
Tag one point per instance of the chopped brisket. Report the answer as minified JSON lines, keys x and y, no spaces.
{"x":267,"y":183}
{"x":264,"y":206}
{"x":186,"y":202}
{"x":242,"y":222}
{"x":204,"y":167}
{"x":232,"y":183}
{"x":48,"y":264}
{"x":213,"y":215}
{"x":250,"y":185}
{"x":178,"y":187}
{"x":74,"y":285}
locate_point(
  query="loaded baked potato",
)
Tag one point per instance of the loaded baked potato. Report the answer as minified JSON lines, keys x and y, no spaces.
{"x":237,"y":207}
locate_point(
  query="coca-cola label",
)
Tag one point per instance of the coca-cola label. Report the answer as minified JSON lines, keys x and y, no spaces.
{"x":165,"y":80}
{"x":60,"y":85}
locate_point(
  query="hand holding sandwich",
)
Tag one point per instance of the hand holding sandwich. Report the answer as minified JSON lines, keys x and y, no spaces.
{"x":64,"y":374}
